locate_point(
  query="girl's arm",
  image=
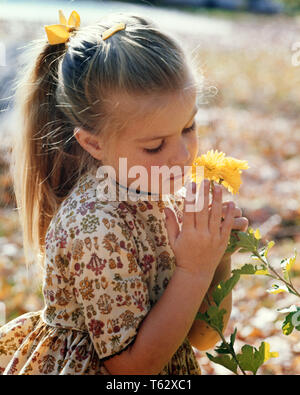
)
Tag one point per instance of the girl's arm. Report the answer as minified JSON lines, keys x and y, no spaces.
{"x":202,"y":336}
{"x":165,"y":327}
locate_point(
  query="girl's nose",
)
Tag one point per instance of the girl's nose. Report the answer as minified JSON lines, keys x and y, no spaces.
{"x":182,"y":156}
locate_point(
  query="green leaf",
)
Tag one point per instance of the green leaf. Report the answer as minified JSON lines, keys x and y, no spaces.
{"x":213,"y":316}
{"x":243,"y":250}
{"x":201,"y":316}
{"x":223,"y":348}
{"x":225,"y":360}
{"x":224,"y":288}
{"x":251,"y":359}
{"x":247,"y":241}
{"x":291,"y":322}
{"x":287,"y":265}
{"x":233,"y":242}
{"x":287,"y":327}
{"x":232,"y":338}
{"x":248,"y":268}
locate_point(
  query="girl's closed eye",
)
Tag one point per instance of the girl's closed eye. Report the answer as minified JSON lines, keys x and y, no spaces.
{"x":158,"y":149}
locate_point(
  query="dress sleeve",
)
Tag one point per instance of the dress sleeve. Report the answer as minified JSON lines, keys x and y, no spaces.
{"x":109,"y":285}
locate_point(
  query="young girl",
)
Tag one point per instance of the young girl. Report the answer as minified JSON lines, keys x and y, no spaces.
{"x":123,"y":278}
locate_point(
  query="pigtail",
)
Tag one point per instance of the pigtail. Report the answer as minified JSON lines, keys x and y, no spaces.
{"x":44,"y":153}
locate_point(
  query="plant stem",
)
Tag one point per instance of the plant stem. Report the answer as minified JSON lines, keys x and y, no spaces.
{"x":212,"y":187}
{"x":288,"y":284}
{"x":229,"y":348}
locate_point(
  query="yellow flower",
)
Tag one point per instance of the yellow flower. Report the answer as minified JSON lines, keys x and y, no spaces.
{"x":256,"y":234}
{"x":222,"y":169}
{"x":211,"y":161}
{"x":267,"y":353}
{"x":276,"y":289}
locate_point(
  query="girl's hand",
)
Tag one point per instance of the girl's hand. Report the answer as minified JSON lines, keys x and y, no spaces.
{"x":239,"y":223}
{"x":203,"y":238}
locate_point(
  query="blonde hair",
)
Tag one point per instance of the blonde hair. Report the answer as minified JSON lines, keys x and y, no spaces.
{"x":69,"y":86}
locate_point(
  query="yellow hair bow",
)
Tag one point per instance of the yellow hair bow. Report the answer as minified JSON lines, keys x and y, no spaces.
{"x":58,"y":34}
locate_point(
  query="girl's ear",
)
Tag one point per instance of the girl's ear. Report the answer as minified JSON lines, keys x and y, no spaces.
{"x":88,"y":142}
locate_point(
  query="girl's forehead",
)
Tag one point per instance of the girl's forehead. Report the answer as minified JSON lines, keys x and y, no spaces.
{"x":140,"y":112}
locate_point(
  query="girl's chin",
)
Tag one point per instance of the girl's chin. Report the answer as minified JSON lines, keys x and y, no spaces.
{"x":169,"y":186}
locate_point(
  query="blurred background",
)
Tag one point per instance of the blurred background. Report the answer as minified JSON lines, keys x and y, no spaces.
{"x":249,"y":53}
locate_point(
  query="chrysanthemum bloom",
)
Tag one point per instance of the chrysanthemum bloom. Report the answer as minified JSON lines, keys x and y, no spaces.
{"x":222,"y":169}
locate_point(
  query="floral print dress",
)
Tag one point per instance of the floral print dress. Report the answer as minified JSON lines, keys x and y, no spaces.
{"x":107,"y":263}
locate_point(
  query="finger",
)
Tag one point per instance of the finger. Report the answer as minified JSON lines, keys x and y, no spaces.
{"x":188,"y":219}
{"x":236,"y":213}
{"x":172,"y":226}
{"x":227,"y":223}
{"x":240,"y":223}
{"x":202,"y":205}
{"x":216,"y":211}
{"x":237,"y":210}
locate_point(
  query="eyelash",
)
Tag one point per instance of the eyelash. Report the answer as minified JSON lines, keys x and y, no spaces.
{"x":158,"y":149}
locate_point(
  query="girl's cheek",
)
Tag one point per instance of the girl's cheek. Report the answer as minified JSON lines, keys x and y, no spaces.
{"x":194,"y":147}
